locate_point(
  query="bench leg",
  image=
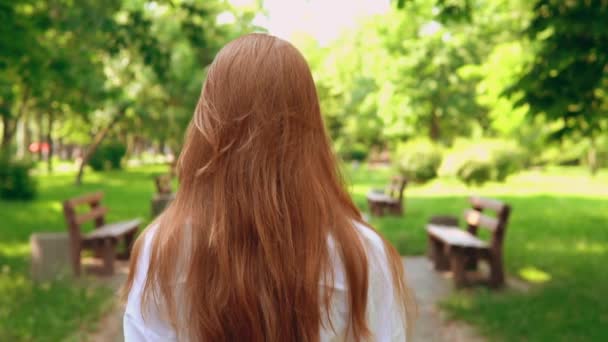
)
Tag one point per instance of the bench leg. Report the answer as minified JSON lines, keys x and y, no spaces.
{"x":108,"y":251}
{"x":372,"y":210}
{"x":75,"y":256}
{"x":439,"y":255}
{"x":396,"y":209}
{"x":376,"y":209}
{"x":457,"y":264}
{"x":379,"y":209}
{"x":471,"y":262}
{"x":497,"y":275}
{"x":430,"y":252}
{"x":129,"y":239}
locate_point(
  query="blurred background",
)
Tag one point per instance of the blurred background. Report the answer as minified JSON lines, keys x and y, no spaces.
{"x":502,"y":98}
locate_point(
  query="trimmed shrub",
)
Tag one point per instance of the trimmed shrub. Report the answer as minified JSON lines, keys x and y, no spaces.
{"x":108,"y":156}
{"x":350,"y":152}
{"x":475,"y":172}
{"x":16,"y":181}
{"x":507,"y":159}
{"x":477,"y":162}
{"x":418,"y":160}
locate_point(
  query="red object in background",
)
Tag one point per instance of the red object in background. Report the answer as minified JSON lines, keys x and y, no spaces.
{"x":36,"y":147}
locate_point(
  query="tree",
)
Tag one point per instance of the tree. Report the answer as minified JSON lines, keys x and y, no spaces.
{"x":417,"y":70}
{"x":133,"y":68}
{"x":21,"y":61}
{"x":567,"y":80}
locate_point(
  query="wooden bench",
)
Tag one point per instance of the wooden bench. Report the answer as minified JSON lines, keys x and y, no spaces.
{"x":163,"y":184}
{"x":103,"y":239}
{"x":164,"y":195}
{"x":390,"y":200}
{"x":172,"y":167}
{"x":459,"y":250}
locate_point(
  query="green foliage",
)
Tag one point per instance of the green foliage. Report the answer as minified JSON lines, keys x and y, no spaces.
{"x":349,"y":152}
{"x":430,"y":68}
{"x":475,"y":172}
{"x":477,"y":162}
{"x":418,"y":160}
{"x":507,"y":160}
{"x":108,"y":156}
{"x":16,"y":181}
{"x":567,"y":80}
{"x":65,"y":73}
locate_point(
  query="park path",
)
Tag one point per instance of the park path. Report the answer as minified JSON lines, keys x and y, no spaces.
{"x":109,"y":328}
{"x":428,"y":286}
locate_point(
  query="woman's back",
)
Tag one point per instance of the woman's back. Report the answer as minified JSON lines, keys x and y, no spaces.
{"x":383,"y":310}
{"x":241,"y":252}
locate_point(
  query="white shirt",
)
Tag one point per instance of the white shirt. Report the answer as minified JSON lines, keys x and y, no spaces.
{"x":383,"y":313}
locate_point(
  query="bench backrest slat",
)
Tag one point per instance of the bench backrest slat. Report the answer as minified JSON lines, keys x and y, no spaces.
{"x":487,"y":203}
{"x":477,"y":219}
{"x":396,"y":187}
{"x":94,"y":214}
{"x":74,"y":220}
{"x":85,"y":199}
{"x":163,"y":184}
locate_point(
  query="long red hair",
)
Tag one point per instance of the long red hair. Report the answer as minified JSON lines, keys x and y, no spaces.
{"x":260,"y":193}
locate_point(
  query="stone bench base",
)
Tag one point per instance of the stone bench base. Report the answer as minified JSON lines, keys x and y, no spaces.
{"x":50,"y":255}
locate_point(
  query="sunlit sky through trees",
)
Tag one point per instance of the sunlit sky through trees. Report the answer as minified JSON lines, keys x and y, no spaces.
{"x":322,"y":19}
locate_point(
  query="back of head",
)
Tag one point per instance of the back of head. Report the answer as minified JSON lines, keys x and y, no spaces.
{"x":259,"y":195}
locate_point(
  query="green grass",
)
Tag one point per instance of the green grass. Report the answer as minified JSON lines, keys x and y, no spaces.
{"x":53,"y":311}
{"x":557,"y":237}
{"x":557,"y":240}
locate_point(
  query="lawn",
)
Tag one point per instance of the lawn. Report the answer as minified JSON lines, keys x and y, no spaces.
{"x":53,"y":311}
{"x":557,"y":239}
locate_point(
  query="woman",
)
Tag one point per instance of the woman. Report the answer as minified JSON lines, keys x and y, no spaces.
{"x":262,"y":242}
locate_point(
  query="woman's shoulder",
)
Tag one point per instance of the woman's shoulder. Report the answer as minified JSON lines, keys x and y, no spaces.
{"x":374,"y":244}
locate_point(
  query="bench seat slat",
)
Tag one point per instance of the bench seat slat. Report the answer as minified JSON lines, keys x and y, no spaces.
{"x":113,"y":230}
{"x":379,"y":197}
{"x":455,"y":236}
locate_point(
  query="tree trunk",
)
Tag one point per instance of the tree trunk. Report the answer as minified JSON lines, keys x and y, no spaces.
{"x":161,"y":146}
{"x":129,"y":139}
{"x":97,"y":140}
{"x":20,"y":133}
{"x":434,"y":130}
{"x":49,"y":139}
{"x":8,"y":132}
{"x":27,"y":135}
{"x":10,"y":124}
{"x":40,"y":136}
{"x":592,"y":157}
